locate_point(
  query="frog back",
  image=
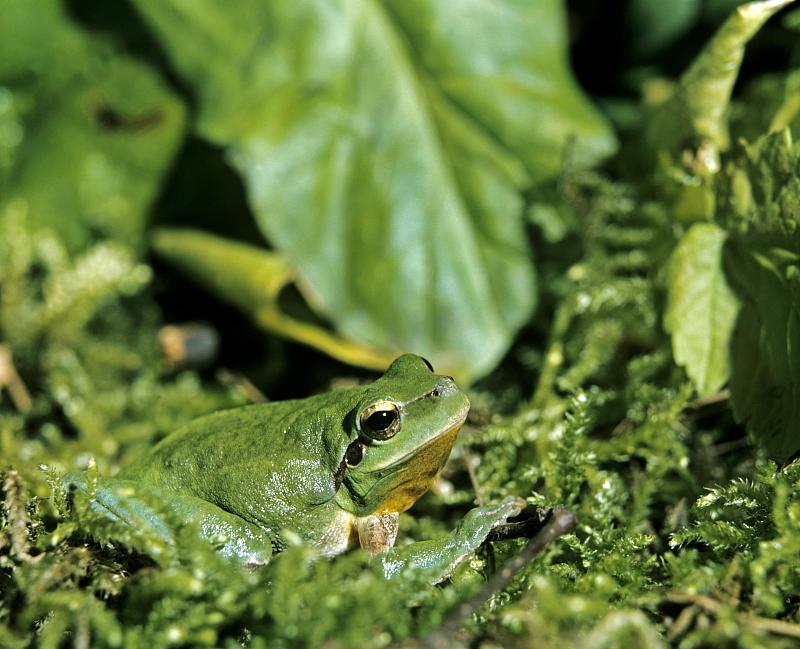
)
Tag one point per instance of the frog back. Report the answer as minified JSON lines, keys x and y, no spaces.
{"x":272,"y":464}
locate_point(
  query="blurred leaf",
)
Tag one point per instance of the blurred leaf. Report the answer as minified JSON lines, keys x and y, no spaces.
{"x":761,"y":207}
{"x":765,"y":385}
{"x":385,"y":146}
{"x":701,"y":308}
{"x":697,"y":111}
{"x":792,"y":20}
{"x":86,"y":134}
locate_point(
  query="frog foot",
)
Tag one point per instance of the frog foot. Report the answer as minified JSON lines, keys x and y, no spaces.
{"x":377,"y":533}
{"x":527,"y":524}
{"x":438,"y":558}
{"x":479,"y":522}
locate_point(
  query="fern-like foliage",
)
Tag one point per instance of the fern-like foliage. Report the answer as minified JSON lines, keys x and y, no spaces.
{"x":82,"y":338}
{"x":751,"y":523}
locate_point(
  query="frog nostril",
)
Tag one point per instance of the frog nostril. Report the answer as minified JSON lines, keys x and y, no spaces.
{"x":444,"y":385}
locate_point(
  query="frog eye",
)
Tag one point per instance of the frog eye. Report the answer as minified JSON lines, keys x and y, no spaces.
{"x":380,"y":420}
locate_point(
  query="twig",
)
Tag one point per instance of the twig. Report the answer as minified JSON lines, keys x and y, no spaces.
{"x":711,"y":605}
{"x":16,"y":515}
{"x":241,"y":383}
{"x":10,"y":380}
{"x":469,"y":462}
{"x":562,"y":522}
{"x":192,"y":344}
{"x":710,"y":400}
{"x":554,"y":356}
{"x":733,"y":445}
{"x":683,"y":623}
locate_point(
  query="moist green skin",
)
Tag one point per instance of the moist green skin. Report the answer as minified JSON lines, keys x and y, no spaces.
{"x":248,"y":473}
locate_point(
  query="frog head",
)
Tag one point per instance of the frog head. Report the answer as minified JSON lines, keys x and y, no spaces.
{"x":401,"y":430}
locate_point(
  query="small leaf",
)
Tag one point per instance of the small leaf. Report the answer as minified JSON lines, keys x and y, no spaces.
{"x":251,"y":279}
{"x":701,"y":308}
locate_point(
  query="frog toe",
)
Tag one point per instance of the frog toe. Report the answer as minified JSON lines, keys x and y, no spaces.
{"x":480,"y":521}
{"x":510,"y":507}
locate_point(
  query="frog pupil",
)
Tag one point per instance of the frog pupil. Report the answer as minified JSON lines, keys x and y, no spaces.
{"x":381,"y":419}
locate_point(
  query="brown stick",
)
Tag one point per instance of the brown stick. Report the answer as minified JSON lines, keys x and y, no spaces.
{"x":12,"y":382}
{"x":711,"y":605}
{"x":562,"y":522}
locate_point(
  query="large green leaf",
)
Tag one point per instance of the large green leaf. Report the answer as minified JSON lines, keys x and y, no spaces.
{"x":86,"y":134}
{"x":385,"y":146}
{"x":504,"y":64}
{"x":701,"y":308}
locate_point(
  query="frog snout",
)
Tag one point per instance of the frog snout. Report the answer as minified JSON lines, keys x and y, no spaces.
{"x":445,"y":385}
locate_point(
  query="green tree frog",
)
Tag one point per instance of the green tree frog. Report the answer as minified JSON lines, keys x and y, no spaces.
{"x":336,"y":469}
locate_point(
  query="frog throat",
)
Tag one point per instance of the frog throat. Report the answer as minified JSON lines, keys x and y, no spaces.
{"x":416,"y":474}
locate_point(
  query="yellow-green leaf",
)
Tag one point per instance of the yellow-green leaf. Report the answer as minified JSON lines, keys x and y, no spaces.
{"x":701,"y":308}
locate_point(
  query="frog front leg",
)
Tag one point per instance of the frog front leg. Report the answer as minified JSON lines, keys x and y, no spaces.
{"x":155,"y":513}
{"x":438,"y":558}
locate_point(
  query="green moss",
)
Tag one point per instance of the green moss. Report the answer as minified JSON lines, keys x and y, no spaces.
{"x":687,"y":534}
